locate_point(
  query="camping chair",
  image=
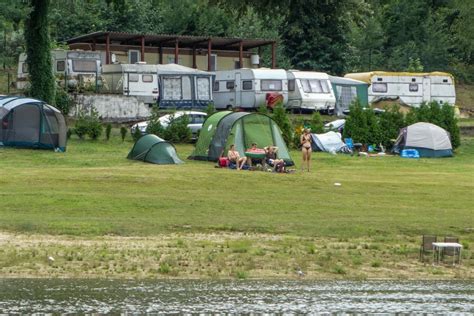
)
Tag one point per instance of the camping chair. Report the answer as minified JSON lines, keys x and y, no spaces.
{"x":353,"y":146}
{"x":426,"y":246}
{"x":451,"y":251}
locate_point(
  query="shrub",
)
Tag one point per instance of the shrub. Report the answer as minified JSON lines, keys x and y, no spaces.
{"x":356,"y":124}
{"x":391,"y":121}
{"x":178,"y":130}
{"x":94,"y":125}
{"x":317,"y":125}
{"x":63,"y":101}
{"x":262,"y":109}
{"x":69,"y":133}
{"x":108,"y":129}
{"x":280,"y":117}
{"x":211,"y":109}
{"x":123,"y":132}
{"x":154,"y":125}
{"x":136,"y":134}
{"x":81,"y":126}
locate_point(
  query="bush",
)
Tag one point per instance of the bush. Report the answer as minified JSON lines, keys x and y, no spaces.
{"x":136,"y":134}
{"x":356,"y":124}
{"x":69,"y":133}
{"x":63,"y":101}
{"x":88,"y":124}
{"x":280,"y":117}
{"x":154,"y":125}
{"x":123,"y":132}
{"x":391,"y":121}
{"x":108,"y":129}
{"x":178,"y":130}
{"x":317,"y":125}
{"x":211,"y":109}
{"x":262,"y":109}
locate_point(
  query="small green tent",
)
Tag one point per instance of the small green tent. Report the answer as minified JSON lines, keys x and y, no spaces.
{"x":225,"y":128}
{"x":151,"y":148}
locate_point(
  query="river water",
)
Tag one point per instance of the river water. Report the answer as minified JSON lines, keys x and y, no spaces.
{"x":78,"y":296}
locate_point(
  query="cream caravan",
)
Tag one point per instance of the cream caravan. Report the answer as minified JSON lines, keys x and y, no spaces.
{"x":411,"y":88}
{"x":250,"y":88}
{"x":75,"y":69}
{"x":310,"y":90}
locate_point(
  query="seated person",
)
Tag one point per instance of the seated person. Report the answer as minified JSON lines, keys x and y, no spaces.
{"x":254,"y":161}
{"x":271,"y":156}
{"x":234,"y":157}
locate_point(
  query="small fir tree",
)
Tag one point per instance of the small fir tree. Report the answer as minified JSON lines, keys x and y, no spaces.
{"x":280,"y":117}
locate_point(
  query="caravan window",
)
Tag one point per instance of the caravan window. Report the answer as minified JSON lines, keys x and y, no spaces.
{"x":271,"y":85}
{"x":315,"y":86}
{"x":379,"y":87}
{"x":230,"y":85}
{"x":132,"y":77}
{"x":247,"y":85}
{"x":413,"y":87}
{"x":147,"y":78}
{"x":215,"y":86}
{"x":203,"y":87}
{"x":82,"y":65}
{"x":291,"y":85}
{"x":60,"y":65}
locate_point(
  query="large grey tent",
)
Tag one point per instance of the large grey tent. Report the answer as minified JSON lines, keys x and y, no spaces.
{"x":151,"y":148}
{"x":31,"y":123}
{"x":428,"y":139}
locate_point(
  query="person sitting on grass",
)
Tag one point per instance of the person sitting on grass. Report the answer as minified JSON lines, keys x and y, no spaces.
{"x":271,"y":156}
{"x":234,"y":157}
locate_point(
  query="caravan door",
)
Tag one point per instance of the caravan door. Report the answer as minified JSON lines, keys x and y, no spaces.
{"x":238,"y":90}
{"x":426,"y":89}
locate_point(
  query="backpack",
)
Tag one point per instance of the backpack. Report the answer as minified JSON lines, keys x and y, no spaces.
{"x":223,"y":162}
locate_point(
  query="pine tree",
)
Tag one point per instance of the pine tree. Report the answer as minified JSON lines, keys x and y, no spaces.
{"x":38,"y":52}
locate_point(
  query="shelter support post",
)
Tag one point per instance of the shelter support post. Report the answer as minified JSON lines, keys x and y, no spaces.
{"x":273,"y":55}
{"x":241,"y":54}
{"x":107,"y":49}
{"x":259,"y":56}
{"x":160,"y":53}
{"x":194,"y":57}
{"x":176,"y":52}
{"x":209,"y":59}
{"x":93,"y":45}
{"x":142,"y":49}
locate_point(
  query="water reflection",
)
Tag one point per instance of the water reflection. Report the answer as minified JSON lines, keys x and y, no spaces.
{"x":138,"y":297}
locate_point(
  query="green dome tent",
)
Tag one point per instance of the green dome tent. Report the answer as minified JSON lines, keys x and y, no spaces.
{"x":31,"y":123}
{"x":225,"y":128}
{"x":151,"y":148}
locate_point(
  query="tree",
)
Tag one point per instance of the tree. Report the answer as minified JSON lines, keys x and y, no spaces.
{"x":38,"y":52}
{"x":317,"y":125}
{"x":280,"y":117}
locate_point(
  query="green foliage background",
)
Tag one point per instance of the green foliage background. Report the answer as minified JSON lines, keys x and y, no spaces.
{"x":330,"y":35}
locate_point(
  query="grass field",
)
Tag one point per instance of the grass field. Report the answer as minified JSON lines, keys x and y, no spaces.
{"x":54,"y":203}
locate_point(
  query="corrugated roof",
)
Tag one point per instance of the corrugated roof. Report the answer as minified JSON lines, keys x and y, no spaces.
{"x":168,"y":40}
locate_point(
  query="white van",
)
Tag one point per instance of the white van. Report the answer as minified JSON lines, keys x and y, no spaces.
{"x":249,"y":88}
{"x":411,"y":88}
{"x":75,"y":69}
{"x":310,"y":90}
{"x":139,"y":80}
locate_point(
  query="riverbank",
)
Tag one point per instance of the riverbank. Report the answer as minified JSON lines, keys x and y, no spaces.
{"x":220,"y":256}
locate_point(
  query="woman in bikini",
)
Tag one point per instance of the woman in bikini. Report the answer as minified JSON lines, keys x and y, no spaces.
{"x":234,"y":157}
{"x":305,"y":142}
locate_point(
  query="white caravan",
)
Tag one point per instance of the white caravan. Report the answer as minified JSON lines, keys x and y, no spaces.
{"x":411,"y":88}
{"x":139,"y":80}
{"x":310,"y":90}
{"x":74,"y":69}
{"x":249,"y":88}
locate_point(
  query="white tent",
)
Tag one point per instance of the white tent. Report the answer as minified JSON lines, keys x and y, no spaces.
{"x":329,"y":142}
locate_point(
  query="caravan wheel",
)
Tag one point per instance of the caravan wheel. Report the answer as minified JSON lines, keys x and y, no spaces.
{"x":229,"y":107}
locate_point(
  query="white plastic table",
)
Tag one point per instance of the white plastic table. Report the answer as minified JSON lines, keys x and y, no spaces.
{"x":438,"y":247}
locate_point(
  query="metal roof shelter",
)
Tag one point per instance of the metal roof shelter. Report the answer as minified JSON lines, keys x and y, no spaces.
{"x":161,"y":41}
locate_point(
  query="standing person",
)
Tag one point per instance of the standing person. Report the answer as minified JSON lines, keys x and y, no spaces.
{"x":234,"y":157}
{"x":305,"y":142}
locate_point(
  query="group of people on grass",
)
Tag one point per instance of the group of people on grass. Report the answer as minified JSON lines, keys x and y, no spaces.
{"x":271,"y":159}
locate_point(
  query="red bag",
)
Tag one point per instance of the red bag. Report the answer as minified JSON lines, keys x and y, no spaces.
{"x":223,"y":162}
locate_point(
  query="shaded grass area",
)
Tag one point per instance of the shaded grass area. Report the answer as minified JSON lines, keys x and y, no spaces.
{"x":92,"y":190}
